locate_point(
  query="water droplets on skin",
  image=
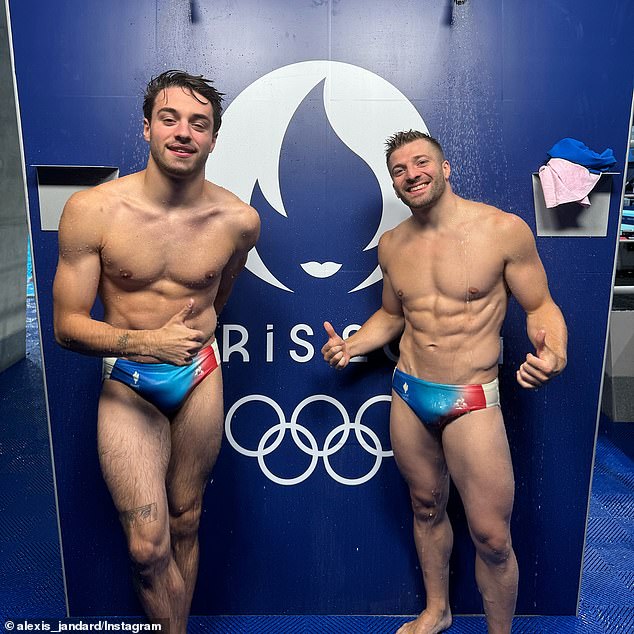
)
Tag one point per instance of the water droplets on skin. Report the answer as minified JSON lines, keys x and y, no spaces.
{"x":468,"y":307}
{"x":459,"y":363}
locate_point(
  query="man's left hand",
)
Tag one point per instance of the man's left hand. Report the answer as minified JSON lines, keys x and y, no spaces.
{"x":541,"y":366}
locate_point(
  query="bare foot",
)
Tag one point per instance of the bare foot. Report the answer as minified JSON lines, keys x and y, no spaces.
{"x":427,"y":624}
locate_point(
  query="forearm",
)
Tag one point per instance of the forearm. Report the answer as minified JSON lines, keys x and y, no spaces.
{"x":89,"y":336}
{"x":381,"y":328}
{"x":550,"y":319}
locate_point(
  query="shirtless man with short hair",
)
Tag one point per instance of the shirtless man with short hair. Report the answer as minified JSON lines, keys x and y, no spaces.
{"x":448,"y":271}
{"x":162,"y":248}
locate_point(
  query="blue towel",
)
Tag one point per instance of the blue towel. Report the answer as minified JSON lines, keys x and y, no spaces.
{"x":577,"y":152}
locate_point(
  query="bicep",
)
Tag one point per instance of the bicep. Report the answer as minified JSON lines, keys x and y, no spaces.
{"x":246,"y":236}
{"x":234,"y":266}
{"x":76,"y":283}
{"x":79,"y":264}
{"x":524,"y":272}
{"x":390,"y":300}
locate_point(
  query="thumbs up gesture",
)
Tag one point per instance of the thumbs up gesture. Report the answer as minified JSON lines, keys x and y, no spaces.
{"x":541,"y":366}
{"x":335,"y":350}
{"x":175,"y":342}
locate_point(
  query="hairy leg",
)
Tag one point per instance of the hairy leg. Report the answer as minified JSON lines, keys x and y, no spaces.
{"x":419,"y":455}
{"x":134,"y":448}
{"x":477,"y":452}
{"x":196,"y":433}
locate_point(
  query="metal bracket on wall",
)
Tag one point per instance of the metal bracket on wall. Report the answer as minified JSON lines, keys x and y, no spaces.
{"x":572,"y":219}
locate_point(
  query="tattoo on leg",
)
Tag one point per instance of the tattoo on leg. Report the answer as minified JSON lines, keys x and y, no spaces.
{"x":123,"y":342}
{"x":142,"y":515}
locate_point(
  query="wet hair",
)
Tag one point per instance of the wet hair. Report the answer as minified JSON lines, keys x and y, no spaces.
{"x":192,"y":84}
{"x":399,"y":139}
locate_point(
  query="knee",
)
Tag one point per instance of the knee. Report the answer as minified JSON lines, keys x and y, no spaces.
{"x":428,"y":508}
{"x":185,"y":520}
{"x":493,"y":546}
{"x":150,"y":552}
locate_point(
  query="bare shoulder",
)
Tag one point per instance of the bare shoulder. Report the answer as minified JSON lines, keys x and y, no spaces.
{"x":508,"y":230}
{"x":393,"y":238}
{"x":83,"y":212}
{"x":235,"y":211}
{"x":388,"y":244}
{"x":81,"y":225}
{"x":102,"y":197}
{"x":83,"y":202}
{"x":496,"y":222}
{"x":88,"y":214}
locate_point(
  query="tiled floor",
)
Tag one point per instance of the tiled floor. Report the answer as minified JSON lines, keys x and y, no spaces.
{"x":30,"y":570}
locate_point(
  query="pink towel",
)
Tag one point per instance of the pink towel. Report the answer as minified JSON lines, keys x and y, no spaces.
{"x":566,"y":182}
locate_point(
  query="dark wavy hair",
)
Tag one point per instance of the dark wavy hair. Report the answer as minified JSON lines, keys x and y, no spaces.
{"x":192,"y":84}
{"x":398,"y":139}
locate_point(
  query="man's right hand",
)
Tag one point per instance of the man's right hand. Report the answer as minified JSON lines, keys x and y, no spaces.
{"x":335,"y":350}
{"x":176,"y":342}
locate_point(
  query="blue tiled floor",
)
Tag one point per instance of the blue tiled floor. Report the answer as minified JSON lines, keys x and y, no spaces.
{"x":30,"y":568}
{"x":30,"y":565}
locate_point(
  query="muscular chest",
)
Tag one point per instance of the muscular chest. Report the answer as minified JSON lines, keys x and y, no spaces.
{"x":453,"y":268}
{"x":190,"y":252}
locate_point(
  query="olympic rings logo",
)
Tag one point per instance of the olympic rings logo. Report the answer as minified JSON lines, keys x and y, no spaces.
{"x":306,"y":441}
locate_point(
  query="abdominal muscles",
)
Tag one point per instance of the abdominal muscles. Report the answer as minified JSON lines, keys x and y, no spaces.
{"x":448,"y":341}
{"x":151,"y":307}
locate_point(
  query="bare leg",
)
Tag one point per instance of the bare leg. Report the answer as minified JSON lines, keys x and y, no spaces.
{"x":196,"y":434}
{"x":479,"y":460}
{"x":420,"y":458}
{"x":134,"y":449}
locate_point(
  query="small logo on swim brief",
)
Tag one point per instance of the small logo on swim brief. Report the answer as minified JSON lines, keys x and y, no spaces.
{"x":198,"y":371}
{"x":460,"y":404}
{"x":405,"y":387}
{"x":136,"y":376}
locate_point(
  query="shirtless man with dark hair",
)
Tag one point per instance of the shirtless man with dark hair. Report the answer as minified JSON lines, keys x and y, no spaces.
{"x":162,"y":248}
{"x":448,"y":271}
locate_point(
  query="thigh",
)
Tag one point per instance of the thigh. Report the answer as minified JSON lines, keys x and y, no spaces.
{"x":479,"y":460}
{"x":418,"y":453}
{"x":134,"y":445}
{"x":196,"y":434}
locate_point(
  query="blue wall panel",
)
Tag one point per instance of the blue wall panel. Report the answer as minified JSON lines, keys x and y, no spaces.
{"x":498,"y":83}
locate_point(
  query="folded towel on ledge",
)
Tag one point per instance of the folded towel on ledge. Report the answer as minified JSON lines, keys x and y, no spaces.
{"x":566,"y":182}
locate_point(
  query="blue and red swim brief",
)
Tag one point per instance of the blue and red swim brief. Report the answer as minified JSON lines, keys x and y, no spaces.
{"x":163,"y":384}
{"x":438,"y":403}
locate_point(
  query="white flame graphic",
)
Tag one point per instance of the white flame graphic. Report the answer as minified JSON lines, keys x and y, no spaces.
{"x":363,"y":110}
